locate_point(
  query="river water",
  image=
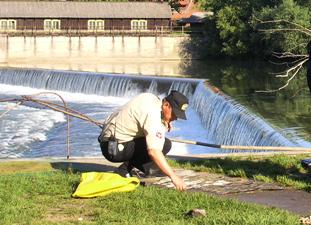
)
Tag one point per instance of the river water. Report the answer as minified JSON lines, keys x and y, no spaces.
{"x":288,"y":109}
{"x":283,"y":116}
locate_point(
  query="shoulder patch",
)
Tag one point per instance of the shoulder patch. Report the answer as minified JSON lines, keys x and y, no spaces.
{"x":158,"y":134}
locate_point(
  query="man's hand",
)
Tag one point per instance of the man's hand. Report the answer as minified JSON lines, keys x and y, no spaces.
{"x":160,"y":161}
{"x":179,"y":183}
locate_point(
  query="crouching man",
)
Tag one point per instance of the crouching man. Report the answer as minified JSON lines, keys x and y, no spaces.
{"x":135,"y":134}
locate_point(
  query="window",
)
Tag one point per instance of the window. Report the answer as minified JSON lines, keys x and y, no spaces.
{"x":51,"y":24}
{"x":143,"y":24}
{"x":95,"y":24}
{"x":7,"y":24}
{"x":139,"y":25}
{"x":134,"y":25}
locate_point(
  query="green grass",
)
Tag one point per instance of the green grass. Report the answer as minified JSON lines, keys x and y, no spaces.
{"x":45,"y":198}
{"x":282,"y":169}
{"x":23,"y":166}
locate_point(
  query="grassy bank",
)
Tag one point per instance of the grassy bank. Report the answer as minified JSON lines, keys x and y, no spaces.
{"x":45,"y":198}
{"x":282,"y":169}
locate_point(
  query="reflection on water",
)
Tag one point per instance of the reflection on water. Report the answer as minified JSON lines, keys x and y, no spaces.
{"x":137,"y":55}
{"x":288,"y":109}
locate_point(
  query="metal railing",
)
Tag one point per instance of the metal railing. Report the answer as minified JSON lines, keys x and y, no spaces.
{"x":108,"y":31}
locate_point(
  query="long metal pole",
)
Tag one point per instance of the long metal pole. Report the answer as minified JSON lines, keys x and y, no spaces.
{"x":240,"y":147}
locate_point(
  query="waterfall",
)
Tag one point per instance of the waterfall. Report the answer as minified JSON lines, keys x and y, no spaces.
{"x":228,"y":123}
{"x":183,"y":87}
{"x":95,"y":83}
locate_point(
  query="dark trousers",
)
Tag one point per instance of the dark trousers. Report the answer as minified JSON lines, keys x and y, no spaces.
{"x":135,"y":152}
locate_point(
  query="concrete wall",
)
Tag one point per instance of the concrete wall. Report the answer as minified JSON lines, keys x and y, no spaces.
{"x":137,"y":55}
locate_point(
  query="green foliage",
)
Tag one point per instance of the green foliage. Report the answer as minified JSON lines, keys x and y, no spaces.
{"x":235,"y":34}
{"x":284,"y":36}
{"x":233,"y":30}
{"x":208,"y":45}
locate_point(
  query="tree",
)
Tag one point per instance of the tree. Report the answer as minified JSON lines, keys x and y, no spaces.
{"x":234,"y":34}
{"x":233,"y":31}
{"x":285,"y":30}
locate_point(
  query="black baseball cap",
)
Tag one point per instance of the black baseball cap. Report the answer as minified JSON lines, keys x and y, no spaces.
{"x":179,"y":103}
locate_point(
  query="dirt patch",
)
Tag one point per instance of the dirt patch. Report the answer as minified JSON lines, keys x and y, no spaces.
{"x":83,"y":212}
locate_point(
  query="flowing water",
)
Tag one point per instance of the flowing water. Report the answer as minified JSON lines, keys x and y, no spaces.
{"x":33,"y":132}
{"x":289,"y":109}
{"x":241,"y":116}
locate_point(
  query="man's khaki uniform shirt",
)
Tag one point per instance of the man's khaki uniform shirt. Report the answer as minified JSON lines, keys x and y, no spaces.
{"x":140,"y":117}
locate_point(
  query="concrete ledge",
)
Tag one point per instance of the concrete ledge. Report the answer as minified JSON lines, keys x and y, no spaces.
{"x":224,"y":155}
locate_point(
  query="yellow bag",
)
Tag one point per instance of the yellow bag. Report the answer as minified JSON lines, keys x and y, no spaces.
{"x":95,"y":184}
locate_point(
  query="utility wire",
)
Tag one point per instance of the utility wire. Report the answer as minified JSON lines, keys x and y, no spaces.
{"x":54,"y":106}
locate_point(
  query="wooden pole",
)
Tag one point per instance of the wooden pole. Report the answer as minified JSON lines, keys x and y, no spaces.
{"x":249,"y":148}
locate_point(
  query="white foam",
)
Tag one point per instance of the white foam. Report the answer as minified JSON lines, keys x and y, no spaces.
{"x":68,"y":96}
{"x":190,"y":129}
{"x":24,"y":125}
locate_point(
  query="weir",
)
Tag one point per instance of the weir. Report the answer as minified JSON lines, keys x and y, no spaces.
{"x":229,"y":123}
{"x":226,"y":122}
{"x":95,"y":83}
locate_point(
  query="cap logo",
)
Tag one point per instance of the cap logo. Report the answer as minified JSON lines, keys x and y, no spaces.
{"x":184,"y":107}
